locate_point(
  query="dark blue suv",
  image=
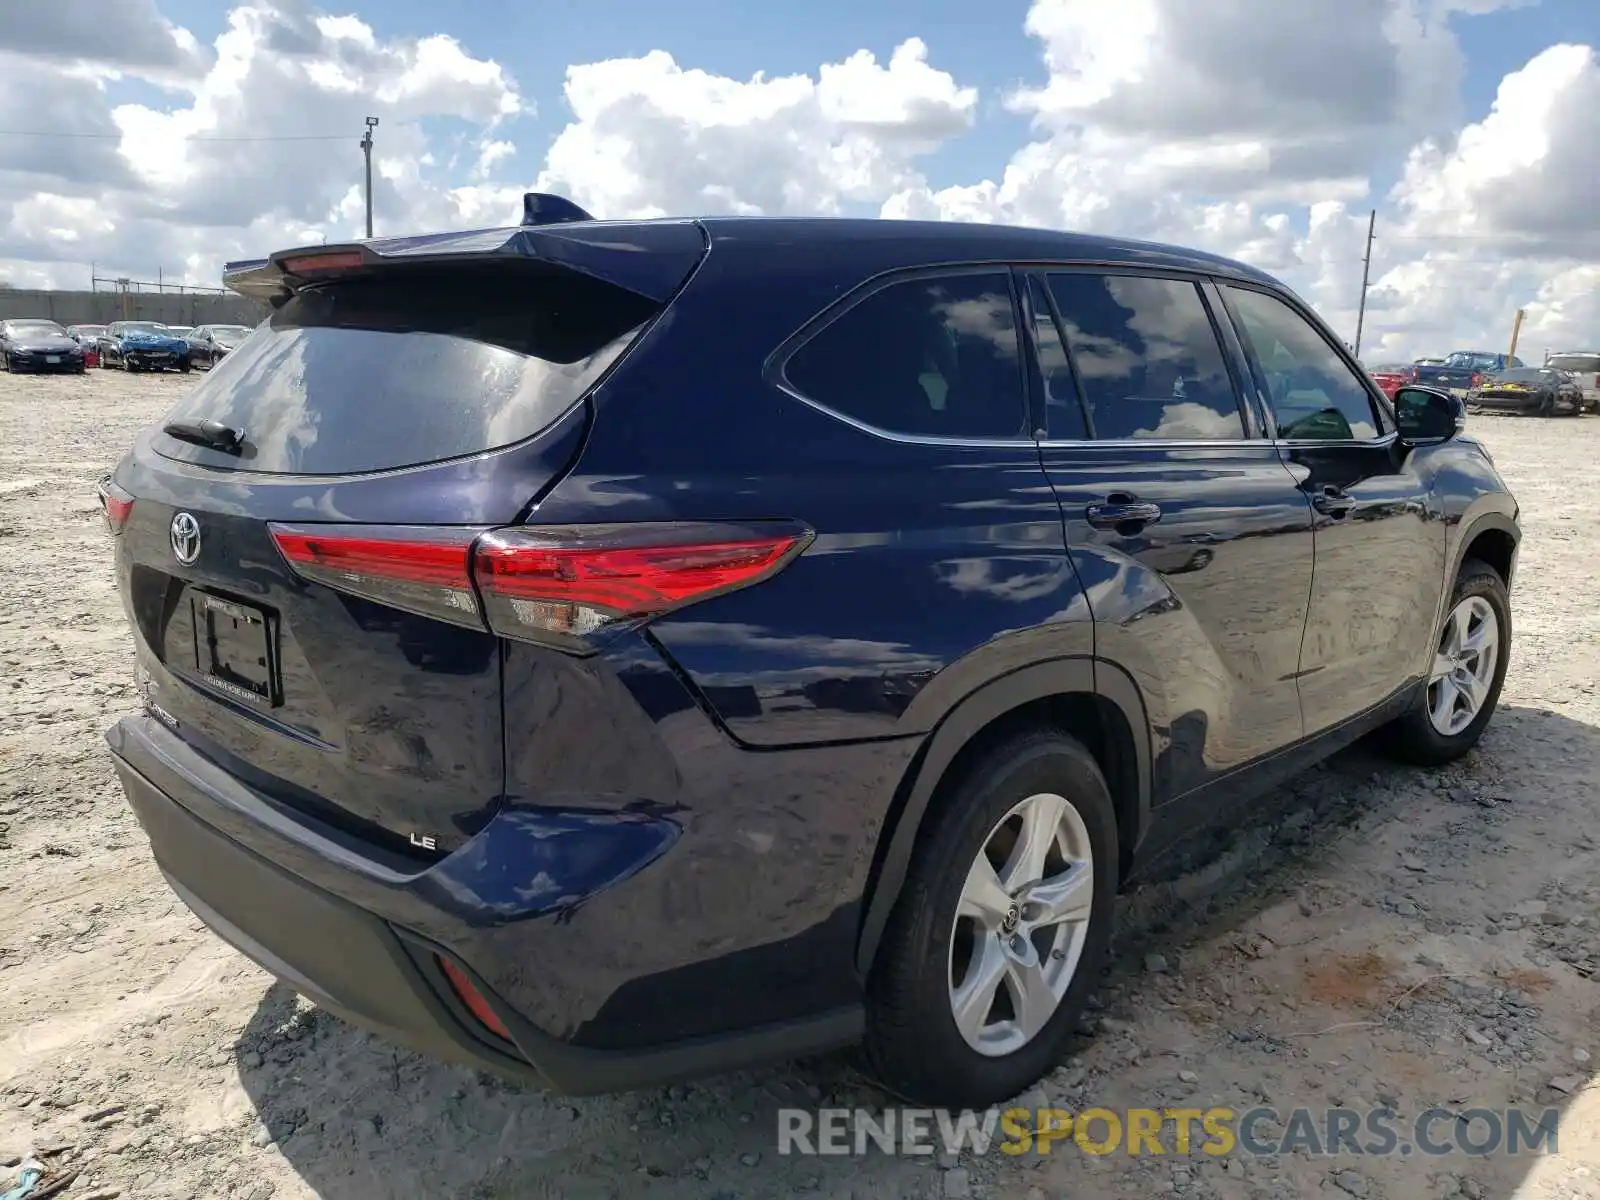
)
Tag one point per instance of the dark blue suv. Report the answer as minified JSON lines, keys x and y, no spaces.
{"x":603,"y":652}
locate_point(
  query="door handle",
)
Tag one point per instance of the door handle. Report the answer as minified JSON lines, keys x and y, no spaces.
{"x":1120,"y":510}
{"x":1332,"y":501}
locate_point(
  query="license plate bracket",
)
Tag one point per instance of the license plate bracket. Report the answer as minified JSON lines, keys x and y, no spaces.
{"x":234,"y":647}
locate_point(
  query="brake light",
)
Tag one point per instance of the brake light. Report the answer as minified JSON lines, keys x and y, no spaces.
{"x":1477,"y":381}
{"x":116,"y":505}
{"x":314,"y":264}
{"x":574,"y":580}
{"x":423,"y":570}
{"x":552,"y":584}
{"x":472,"y":998}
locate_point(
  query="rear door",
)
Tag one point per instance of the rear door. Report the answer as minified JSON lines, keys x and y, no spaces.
{"x":1190,"y":536}
{"x":383,"y":422}
{"x":1380,"y":547}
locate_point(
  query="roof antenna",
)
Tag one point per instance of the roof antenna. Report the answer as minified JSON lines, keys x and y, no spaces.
{"x":544,"y":208}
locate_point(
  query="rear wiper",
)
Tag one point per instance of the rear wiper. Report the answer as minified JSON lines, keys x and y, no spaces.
{"x":207,"y":433}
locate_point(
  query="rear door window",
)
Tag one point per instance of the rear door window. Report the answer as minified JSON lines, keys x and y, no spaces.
{"x":1315,"y":395}
{"x":1148,"y":358}
{"x":927,"y":357}
{"x":410,"y":367}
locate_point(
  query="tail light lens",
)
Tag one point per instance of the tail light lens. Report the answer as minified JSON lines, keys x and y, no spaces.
{"x":555,"y":584}
{"x":423,"y":570}
{"x":116,"y":505}
{"x":573,"y":581}
{"x":1477,"y":381}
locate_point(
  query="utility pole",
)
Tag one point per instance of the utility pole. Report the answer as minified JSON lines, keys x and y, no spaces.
{"x":1366,"y":274}
{"x":366,"y":149}
{"x":1516,"y":332}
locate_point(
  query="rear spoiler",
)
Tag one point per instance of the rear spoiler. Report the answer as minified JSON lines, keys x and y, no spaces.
{"x":649,"y":258}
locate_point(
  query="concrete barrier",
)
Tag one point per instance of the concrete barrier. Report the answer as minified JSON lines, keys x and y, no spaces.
{"x":101,"y":308}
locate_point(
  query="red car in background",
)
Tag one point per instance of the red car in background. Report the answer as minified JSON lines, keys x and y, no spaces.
{"x":1391,"y":377}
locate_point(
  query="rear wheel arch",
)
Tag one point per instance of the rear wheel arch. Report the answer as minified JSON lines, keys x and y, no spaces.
{"x":1091,"y":700}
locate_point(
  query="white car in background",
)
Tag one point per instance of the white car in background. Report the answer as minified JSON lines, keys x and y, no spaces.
{"x":1584,"y":366}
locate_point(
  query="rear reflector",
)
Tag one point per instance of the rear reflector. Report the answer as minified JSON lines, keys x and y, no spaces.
{"x":116,"y":505}
{"x":419,"y":569}
{"x":554,"y":584}
{"x":473,"y":998}
{"x":569,"y":581}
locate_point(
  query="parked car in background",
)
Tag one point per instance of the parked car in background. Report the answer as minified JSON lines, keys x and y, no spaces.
{"x":88,"y":336}
{"x":845,"y":725}
{"x":143,"y":346}
{"x":1541,"y":391}
{"x":38,"y":344}
{"x":1585,"y":368}
{"x":1391,"y":377}
{"x":1463,"y":370}
{"x":209,"y":344}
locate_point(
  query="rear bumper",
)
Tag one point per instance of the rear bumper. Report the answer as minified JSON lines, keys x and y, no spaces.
{"x":378,"y":969}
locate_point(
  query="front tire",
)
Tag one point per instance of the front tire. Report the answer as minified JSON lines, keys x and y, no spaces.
{"x":1469,"y":668}
{"x":999,"y":933}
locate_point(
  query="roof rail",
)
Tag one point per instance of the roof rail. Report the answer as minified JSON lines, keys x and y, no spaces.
{"x":545,"y":208}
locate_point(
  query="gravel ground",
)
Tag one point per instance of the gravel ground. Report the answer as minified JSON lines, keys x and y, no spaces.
{"x":1377,"y":937}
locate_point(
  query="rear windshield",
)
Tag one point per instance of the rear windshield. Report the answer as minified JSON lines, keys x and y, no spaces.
{"x":1467,"y":358}
{"x":1523,"y":375}
{"x":411,"y":367}
{"x":1580,"y":364}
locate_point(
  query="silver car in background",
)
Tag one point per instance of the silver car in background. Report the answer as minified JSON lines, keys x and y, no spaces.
{"x":1584,"y":366}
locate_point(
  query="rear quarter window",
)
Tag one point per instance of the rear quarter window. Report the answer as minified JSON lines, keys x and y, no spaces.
{"x":411,"y":367}
{"x":927,"y":357}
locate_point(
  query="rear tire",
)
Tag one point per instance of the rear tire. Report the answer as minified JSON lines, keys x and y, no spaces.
{"x":1438,"y":729}
{"x":1018,"y":960}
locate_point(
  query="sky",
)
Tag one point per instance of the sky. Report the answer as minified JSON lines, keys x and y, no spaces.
{"x":169,"y":136}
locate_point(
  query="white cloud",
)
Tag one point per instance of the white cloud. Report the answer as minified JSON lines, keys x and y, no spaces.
{"x":187,"y":184}
{"x":1250,"y":127}
{"x":651,"y":138}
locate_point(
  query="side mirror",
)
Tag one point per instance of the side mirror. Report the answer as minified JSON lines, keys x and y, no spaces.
{"x":1428,"y":414}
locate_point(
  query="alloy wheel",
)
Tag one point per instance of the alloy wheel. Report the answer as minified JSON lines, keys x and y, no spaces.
{"x":1021,"y":925}
{"x":1463,"y":666}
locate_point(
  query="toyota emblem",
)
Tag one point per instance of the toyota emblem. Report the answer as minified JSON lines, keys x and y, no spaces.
{"x":185,"y":538}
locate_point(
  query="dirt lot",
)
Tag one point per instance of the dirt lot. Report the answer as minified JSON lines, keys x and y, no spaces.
{"x":1379,"y":938}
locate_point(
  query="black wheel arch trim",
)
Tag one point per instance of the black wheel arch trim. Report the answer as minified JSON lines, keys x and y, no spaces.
{"x":1499,"y":522}
{"x":974,"y":712}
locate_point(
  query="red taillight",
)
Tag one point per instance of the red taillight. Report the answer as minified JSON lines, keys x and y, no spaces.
{"x":1477,"y":381}
{"x":578,"y":579}
{"x":313,"y":264}
{"x":423,"y":570}
{"x":555,"y":583}
{"x":115,"y":504}
{"x":1597,"y":381}
{"x":472,"y":998}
